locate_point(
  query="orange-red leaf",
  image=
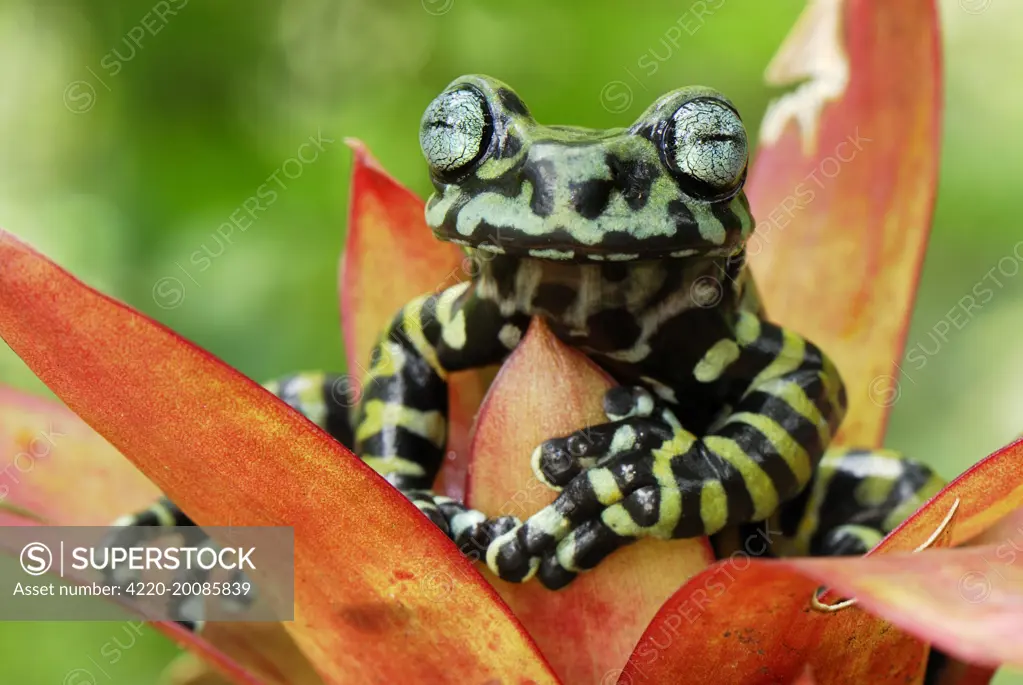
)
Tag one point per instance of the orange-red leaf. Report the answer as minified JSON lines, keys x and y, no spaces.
{"x":987,"y":492}
{"x":64,"y":473}
{"x":265,"y":649}
{"x":391,"y":257}
{"x":967,"y":601}
{"x":56,"y":467}
{"x":843,"y":187}
{"x":228,"y":452}
{"x":806,"y":678}
{"x":745,"y":606}
{"x":588,"y":629}
{"x":740,"y":621}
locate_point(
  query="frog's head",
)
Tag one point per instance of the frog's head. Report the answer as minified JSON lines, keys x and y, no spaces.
{"x":670,"y":185}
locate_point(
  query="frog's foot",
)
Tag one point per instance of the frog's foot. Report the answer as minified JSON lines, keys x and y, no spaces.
{"x":152,"y":524}
{"x":469,"y":529}
{"x":636,"y":423}
{"x":636,"y":494}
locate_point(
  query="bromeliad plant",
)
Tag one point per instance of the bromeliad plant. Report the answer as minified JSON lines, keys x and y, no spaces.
{"x":382,"y":596}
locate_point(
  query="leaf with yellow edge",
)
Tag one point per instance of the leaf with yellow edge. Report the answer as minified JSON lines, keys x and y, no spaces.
{"x":843,"y":188}
{"x":587,"y":630}
{"x":230,"y":453}
{"x":391,"y":257}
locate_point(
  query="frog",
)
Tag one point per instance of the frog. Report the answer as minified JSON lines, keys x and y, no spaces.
{"x":630,"y":245}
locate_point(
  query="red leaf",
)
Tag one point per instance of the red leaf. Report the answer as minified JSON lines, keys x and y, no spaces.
{"x":967,"y":601}
{"x":59,"y":469}
{"x":987,"y":492}
{"x":806,"y":678}
{"x":228,"y":452}
{"x":843,"y":188}
{"x":63,"y":472}
{"x":390,"y":258}
{"x":588,"y":629}
{"x":772,"y":633}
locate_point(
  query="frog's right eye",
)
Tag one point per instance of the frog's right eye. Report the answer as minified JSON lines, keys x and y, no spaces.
{"x":456,"y":130}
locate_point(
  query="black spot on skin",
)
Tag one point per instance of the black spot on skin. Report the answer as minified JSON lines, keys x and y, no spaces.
{"x":614,"y":272}
{"x":688,"y":233}
{"x":590,"y":198}
{"x":728,"y":219}
{"x":633,"y":179}
{"x":594,"y":543}
{"x":554,"y":298}
{"x":543,"y":177}
{"x":509,"y":147}
{"x":512,"y":102}
{"x":644,"y":505}
{"x":734,"y":264}
{"x":793,"y":511}
{"x":502,"y":270}
{"x":612,"y":329}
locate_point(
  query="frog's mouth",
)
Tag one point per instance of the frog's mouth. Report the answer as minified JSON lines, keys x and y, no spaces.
{"x":503,"y":240}
{"x":504,"y":226}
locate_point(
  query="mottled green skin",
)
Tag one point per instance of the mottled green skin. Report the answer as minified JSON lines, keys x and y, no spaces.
{"x":629,"y":243}
{"x":575,"y":194}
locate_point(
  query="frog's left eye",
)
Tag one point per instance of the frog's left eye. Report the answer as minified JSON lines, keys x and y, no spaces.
{"x":706,"y":142}
{"x":456,"y":130}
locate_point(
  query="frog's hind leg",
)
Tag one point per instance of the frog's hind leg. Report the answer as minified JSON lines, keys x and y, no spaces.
{"x":856,"y":497}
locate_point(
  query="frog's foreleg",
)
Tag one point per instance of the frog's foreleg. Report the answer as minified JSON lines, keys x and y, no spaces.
{"x":789,"y":402}
{"x":856,"y":497}
{"x":401,"y":421}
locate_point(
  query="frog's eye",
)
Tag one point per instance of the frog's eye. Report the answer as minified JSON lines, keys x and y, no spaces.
{"x":705,"y":141}
{"x":456,"y":130}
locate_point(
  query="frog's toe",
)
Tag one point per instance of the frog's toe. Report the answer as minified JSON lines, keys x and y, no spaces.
{"x":623,"y":402}
{"x":554,"y":465}
{"x":557,"y":462}
{"x":508,"y":558}
{"x":582,"y":549}
{"x":475,"y":539}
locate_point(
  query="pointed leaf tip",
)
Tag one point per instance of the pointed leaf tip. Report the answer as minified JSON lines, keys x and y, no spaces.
{"x":66,"y":474}
{"x":391,"y":257}
{"x":843,"y":187}
{"x":364,"y":574}
{"x":587,"y":630}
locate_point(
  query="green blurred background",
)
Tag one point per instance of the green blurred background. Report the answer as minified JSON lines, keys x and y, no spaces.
{"x":120,"y":161}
